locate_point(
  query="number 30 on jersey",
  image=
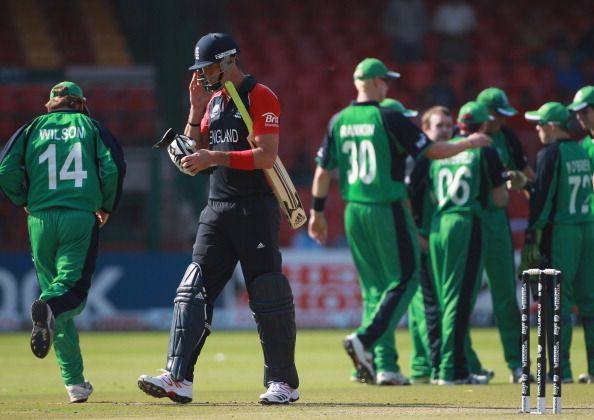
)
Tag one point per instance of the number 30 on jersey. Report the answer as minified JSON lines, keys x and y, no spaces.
{"x":363,"y":163}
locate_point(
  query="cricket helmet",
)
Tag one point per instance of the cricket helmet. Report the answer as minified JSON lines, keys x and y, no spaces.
{"x":210,"y":49}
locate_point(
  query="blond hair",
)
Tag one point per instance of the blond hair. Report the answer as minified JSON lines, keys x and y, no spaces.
{"x":425,"y":123}
{"x":363,"y":84}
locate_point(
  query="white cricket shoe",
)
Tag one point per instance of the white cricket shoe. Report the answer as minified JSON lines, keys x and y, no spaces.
{"x":392,"y":378}
{"x":79,"y":393}
{"x":43,"y":328}
{"x":516,"y":376}
{"x":165,"y":386}
{"x":279,"y":393}
{"x":472,"y":379}
{"x":584,"y":378}
{"x":362,"y":359}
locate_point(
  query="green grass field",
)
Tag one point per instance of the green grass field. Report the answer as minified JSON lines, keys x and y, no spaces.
{"x":229,"y":381}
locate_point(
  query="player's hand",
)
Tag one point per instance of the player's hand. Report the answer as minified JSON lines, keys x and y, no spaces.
{"x":197,"y":162}
{"x":516,"y":180}
{"x":476,"y":140}
{"x":102,"y":216}
{"x":531,"y":256}
{"x":423,"y":242}
{"x":198,"y":96}
{"x":318,"y":227}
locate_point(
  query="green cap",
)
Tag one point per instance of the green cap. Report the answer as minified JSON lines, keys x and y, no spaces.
{"x":496,"y":101}
{"x":582,"y":98}
{"x":372,"y":67}
{"x":474,"y":113}
{"x":398,"y":107}
{"x":551,"y":112}
{"x":65,"y":89}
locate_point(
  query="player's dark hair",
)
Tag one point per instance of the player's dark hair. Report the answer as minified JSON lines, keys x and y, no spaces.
{"x":68,"y":101}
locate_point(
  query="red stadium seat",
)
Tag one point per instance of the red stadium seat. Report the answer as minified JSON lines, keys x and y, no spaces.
{"x":419,"y":75}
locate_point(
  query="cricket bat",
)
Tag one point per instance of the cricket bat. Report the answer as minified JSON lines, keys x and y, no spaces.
{"x":277,"y":177}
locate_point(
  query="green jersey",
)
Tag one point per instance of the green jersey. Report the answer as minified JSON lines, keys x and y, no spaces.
{"x":562,"y":192}
{"x":369,"y":145}
{"x":509,"y":148}
{"x":588,"y":145}
{"x":461,"y":183}
{"x":62,"y":159}
{"x":510,"y":151}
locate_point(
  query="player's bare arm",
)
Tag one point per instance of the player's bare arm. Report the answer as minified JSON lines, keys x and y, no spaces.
{"x":500,"y":196}
{"x":266,"y":151}
{"x":442,"y":150}
{"x":102,"y":216}
{"x":318,"y":226}
{"x":198,"y":100}
{"x":264,"y":155}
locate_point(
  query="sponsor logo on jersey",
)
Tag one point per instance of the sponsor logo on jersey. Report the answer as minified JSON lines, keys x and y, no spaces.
{"x":237,"y":114}
{"x":224,"y":136}
{"x":356,"y":130}
{"x":462,"y":158}
{"x":65,"y":133}
{"x":270,"y":119}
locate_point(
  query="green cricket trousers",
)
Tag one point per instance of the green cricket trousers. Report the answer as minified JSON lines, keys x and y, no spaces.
{"x":64,"y":250}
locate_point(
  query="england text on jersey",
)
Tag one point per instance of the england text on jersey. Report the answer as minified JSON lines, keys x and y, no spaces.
{"x":224,"y":136}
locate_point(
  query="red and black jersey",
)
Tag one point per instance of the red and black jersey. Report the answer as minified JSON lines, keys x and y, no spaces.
{"x":226,"y":131}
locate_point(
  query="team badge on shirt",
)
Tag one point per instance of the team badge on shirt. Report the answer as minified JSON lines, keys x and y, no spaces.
{"x":215,"y":112}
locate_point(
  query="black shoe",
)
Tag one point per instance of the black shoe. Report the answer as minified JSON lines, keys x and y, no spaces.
{"x":43,"y":328}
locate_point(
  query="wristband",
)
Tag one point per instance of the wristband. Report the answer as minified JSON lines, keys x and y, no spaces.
{"x":318,"y":204}
{"x":243,"y":159}
{"x":193,"y":125}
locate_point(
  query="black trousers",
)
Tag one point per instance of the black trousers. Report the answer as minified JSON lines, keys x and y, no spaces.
{"x":245,"y":230}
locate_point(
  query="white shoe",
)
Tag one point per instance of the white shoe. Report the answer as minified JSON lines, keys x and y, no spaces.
{"x":489,"y":373}
{"x":362,"y":359}
{"x":43,"y":328}
{"x":279,"y":393}
{"x":584,"y":378}
{"x":443,"y":382}
{"x":516,"y":376}
{"x":79,"y":393}
{"x":392,"y":378}
{"x":165,"y":386}
{"x":472,"y":379}
{"x":355,"y":378}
